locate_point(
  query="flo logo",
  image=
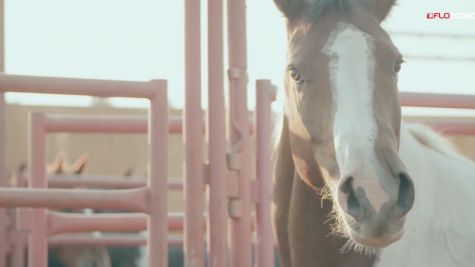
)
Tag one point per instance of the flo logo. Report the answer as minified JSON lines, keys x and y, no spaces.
{"x":438,"y":15}
{"x":450,"y":15}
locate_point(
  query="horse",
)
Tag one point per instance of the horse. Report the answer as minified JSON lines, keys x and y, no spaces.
{"x":67,"y":256}
{"x":399,"y":192}
{"x":77,"y":256}
{"x":110,"y":256}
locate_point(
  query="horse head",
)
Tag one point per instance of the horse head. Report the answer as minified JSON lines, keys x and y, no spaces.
{"x":344,"y":115}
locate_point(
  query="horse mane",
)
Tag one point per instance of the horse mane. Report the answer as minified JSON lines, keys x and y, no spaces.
{"x":435,"y":141}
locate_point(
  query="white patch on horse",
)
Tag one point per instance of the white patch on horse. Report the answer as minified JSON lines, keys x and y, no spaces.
{"x":355,"y":130}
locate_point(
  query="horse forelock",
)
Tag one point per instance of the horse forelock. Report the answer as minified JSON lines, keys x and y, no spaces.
{"x":319,"y":7}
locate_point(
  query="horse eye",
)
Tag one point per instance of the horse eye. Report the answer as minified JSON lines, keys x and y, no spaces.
{"x":397,"y":68}
{"x":295,"y":75}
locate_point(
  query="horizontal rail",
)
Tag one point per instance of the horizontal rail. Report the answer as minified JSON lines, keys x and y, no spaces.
{"x":124,"y":199}
{"x":61,"y":222}
{"x":120,"y":240}
{"x":449,"y":126}
{"x":433,"y":34}
{"x":54,"y":123}
{"x":454,"y":127}
{"x":75,"y":86}
{"x":104,"y":182}
{"x":434,"y":57}
{"x":97,"y":182}
{"x":103,"y":124}
{"x":437,"y":100}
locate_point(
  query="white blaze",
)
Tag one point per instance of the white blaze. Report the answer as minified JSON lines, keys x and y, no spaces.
{"x":354,"y":129}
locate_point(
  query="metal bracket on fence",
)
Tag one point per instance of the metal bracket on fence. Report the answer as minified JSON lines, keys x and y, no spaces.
{"x":235,"y":208}
{"x":236,"y":73}
{"x":234,"y":161}
{"x":232,"y":185}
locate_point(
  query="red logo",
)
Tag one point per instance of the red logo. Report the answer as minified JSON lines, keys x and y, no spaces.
{"x":437,"y":15}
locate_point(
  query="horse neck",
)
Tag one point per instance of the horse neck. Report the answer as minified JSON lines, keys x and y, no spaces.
{"x":438,"y":172}
{"x":414,"y":156}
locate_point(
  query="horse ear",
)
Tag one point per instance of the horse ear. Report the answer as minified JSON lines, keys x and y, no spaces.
{"x":80,"y":164}
{"x":290,"y":8}
{"x":382,"y":8}
{"x":56,"y":167}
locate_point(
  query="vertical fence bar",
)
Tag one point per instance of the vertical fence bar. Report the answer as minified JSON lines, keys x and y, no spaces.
{"x":265,"y":95}
{"x":3,"y":139}
{"x":218,"y":233}
{"x":38,"y":239}
{"x":2,"y":35}
{"x":3,"y":144}
{"x":158,"y":175}
{"x":4,"y":218}
{"x":193,"y":139}
{"x":17,"y":258}
{"x":240,"y":151}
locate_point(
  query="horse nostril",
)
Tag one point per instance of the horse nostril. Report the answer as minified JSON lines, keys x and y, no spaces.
{"x":352,"y":202}
{"x":406,"y":194}
{"x":346,"y":185}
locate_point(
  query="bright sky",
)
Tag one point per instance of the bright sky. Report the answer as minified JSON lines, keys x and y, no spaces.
{"x":141,"y":40}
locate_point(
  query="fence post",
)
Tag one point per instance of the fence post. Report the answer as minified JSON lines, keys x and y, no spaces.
{"x":4,"y":217}
{"x":240,"y":154}
{"x":38,"y":239}
{"x":218,"y":219}
{"x":193,"y":138}
{"x":265,"y":95}
{"x":158,"y":176}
